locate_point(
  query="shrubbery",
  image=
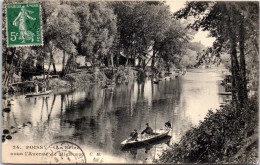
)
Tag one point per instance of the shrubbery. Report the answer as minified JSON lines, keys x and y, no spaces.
{"x":227,"y":136}
{"x":125,"y":74}
{"x":121,"y":74}
{"x":76,"y":79}
{"x":86,"y":78}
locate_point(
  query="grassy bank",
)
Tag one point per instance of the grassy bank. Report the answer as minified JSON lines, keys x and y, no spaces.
{"x":227,"y":136}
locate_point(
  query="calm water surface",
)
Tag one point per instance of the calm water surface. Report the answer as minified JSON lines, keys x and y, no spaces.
{"x":100,"y":119}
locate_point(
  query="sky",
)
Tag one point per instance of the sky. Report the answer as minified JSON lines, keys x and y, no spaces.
{"x":201,"y":36}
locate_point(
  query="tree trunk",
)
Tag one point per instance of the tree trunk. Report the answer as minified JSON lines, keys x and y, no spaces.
{"x":117,"y":58}
{"x":249,"y":141}
{"x":9,"y":74}
{"x":5,"y":63}
{"x":143,"y":64}
{"x":112,"y":60}
{"x":71,"y":65}
{"x":53,"y":64}
{"x":153,"y":59}
{"x":63,"y":64}
{"x":49,"y":66}
{"x":148,"y":63}
{"x":43,"y":68}
{"x":234,"y":61}
{"x":243,"y":97}
{"x":126,"y":63}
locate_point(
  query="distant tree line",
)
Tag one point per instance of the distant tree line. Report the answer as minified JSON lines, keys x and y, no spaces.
{"x":103,"y":32}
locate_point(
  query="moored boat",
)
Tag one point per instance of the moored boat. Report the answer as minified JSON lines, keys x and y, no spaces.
{"x":144,"y":140}
{"x":225,"y":93}
{"x":39,"y":93}
{"x":108,"y":86}
{"x":156,"y":82}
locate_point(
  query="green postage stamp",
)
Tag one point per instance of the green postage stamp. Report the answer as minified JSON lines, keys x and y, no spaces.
{"x":24,"y":24}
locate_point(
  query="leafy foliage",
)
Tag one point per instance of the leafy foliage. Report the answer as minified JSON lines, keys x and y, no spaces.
{"x":98,"y":30}
{"x":218,"y":138}
{"x":104,"y":32}
{"x":147,"y":29}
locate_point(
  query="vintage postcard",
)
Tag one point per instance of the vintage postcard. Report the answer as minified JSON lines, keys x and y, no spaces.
{"x":130,"y":82}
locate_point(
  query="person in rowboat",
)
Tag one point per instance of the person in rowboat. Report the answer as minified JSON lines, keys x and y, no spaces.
{"x":36,"y":85}
{"x":133,"y":136}
{"x":148,"y":130}
{"x":168,"y":124}
{"x":44,"y":86}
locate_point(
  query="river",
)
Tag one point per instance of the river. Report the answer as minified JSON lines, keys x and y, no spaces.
{"x":100,"y":119}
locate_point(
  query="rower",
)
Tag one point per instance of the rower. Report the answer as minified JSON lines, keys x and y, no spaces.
{"x":133,"y":135}
{"x":44,"y":85}
{"x":148,"y":130}
{"x":168,"y":125}
{"x":36,"y":85}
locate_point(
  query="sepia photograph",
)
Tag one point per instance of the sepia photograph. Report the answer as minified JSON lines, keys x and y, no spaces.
{"x":130,"y":82}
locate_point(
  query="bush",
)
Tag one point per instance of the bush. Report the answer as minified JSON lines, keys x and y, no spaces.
{"x":222,"y":137}
{"x":124,"y":74}
{"x":86,"y":78}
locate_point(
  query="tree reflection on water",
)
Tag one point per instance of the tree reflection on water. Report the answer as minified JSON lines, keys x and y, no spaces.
{"x":101,"y":119}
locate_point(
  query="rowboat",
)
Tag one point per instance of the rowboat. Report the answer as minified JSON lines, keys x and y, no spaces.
{"x":38,"y":94}
{"x":144,"y":140}
{"x":155,"y":82}
{"x":225,"y":93}
{"x":108,"y":87}
{"x":164,"y":140}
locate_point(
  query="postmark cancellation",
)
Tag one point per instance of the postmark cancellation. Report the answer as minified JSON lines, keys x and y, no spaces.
{"x":64,"y":152}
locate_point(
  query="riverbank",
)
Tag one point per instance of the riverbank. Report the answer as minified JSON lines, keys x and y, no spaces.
{"x":86,"y":77}
{"x":227,"y":136}
{"x":103,"y":77}
{"x":82,"y":78}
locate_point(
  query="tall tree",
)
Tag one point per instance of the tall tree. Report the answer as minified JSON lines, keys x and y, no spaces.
{"x":173,"y":44}
{"x":139,"y":25}
{"x":225,"y":21}
{"x":97,"y":29}
{"x":61,"y":30}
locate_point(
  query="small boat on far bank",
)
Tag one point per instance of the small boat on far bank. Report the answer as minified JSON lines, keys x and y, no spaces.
{"x":38,"y":94}
{"x":144,"y":140}
{"x":108,"y":86}
{"x":156,"y":82}
{"x":225,"y":93}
